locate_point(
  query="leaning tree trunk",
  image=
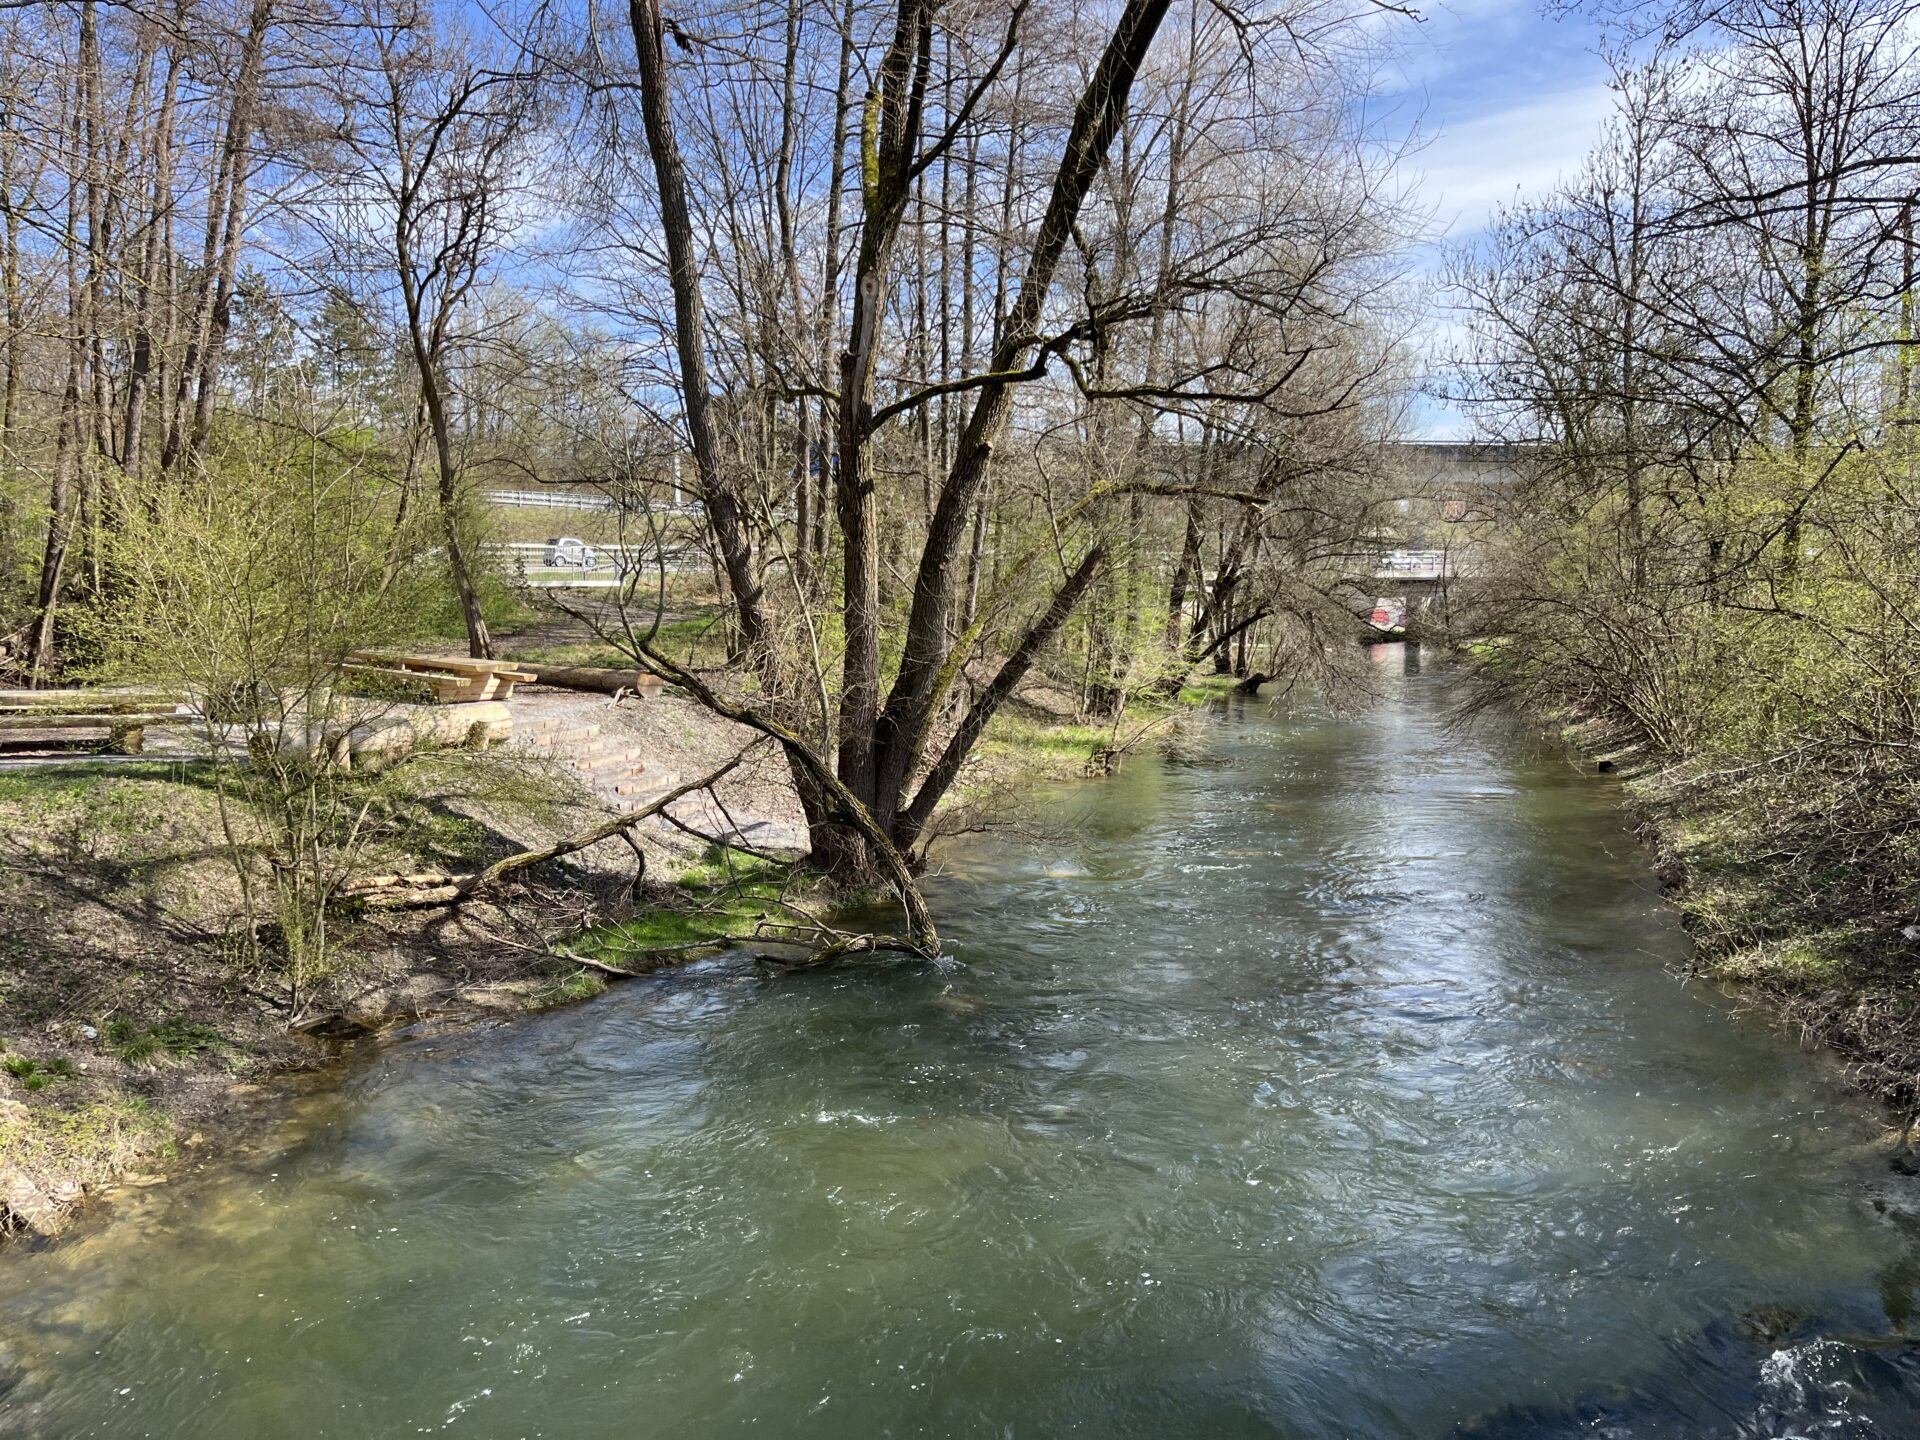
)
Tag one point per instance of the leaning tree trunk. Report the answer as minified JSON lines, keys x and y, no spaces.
{"x":725,"y":513}
{"x":902,"y":731}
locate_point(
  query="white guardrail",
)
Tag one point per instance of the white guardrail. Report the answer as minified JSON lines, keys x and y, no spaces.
{"x":1414,"y":565}
{"x":580,"y":565}
{"x":580,"y":500}
{"x":549,"y":500}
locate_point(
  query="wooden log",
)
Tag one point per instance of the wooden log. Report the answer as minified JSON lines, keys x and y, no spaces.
{"x":401,"y":729}
{"x":444,"y":687}
{"x":58,"y":720}
{"x":448,"y":664}
{"x":450,"y":679}
{"x":123,"y":734}
{"x":36,"y":736}
{"x":369,"y":883}
{"x":91,"y":702}
{"x":504,"y":669}
{"x":606,"y":682}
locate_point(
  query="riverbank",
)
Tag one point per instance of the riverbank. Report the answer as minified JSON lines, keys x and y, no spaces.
{"x":1831,"y":952}
{"x":133,"y":1032}
{"x":132,"y":1022}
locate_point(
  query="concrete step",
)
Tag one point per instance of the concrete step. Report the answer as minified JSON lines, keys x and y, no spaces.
{"x":602,"y":763}
{"x":584,"y":747}
{"x":639,"y":789}
{"x":600,"y":757}
{"x":655,"y":782}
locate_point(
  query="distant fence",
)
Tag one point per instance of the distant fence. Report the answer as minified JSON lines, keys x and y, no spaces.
{"x":550,"y":500}
{"x":581,"y":500}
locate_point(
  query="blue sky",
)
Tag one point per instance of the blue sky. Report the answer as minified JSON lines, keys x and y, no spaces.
{"x":1511,"y":99}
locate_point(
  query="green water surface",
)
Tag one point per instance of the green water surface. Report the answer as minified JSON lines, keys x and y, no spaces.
{"x":1331,"y":1082}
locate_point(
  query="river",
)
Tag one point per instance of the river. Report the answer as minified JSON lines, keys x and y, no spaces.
{"x":1331,"y":1081}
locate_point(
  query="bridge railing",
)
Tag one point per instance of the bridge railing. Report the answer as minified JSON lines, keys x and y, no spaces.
{"x":1416,"y":565}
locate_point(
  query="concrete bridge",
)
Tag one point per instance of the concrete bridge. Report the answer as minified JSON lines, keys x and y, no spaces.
{"x":1430,"y":531}
{"x":1398,"y":566}
{"x":1406,"y":585}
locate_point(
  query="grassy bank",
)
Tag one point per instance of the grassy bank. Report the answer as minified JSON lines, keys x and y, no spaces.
{"x":1825,"y":956}
{"x":1824,"y":945}
{"x":133,"y":1015}
{"x":1032,"y":740}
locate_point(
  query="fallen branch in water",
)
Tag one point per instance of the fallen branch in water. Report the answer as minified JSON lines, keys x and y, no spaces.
{"x":660,"y":953}
{"x":823,"y":944}
{"x":398,"y":892}
{"x":1107,"y":760}
{"x":605,"y":969}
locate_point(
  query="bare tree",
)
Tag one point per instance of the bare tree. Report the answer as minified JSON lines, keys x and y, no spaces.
{"x":429,"y":135}
{"x":909,"y":395}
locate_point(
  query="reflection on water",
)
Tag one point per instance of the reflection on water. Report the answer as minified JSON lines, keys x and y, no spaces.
{"x":1332,"y":1084}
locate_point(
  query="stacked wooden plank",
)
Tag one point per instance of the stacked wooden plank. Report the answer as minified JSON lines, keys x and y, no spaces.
{"x":117,"y":718}
{"x":449,"y":681}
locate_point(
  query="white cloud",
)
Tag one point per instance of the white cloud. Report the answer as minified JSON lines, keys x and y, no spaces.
{"x":1476,"y":164}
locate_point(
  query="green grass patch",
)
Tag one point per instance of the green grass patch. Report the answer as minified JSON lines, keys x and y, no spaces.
{"x":687,"y":627}
{"x":149,"y":1044}
{"x":40,"y":788}
{"x":1021,"y":735}
{"x":721,"y":866}
{"x":36,"y":1074}
{"x":1801,"y":962}
{"x":726,"y":894}
{"x":1060,"y":749}
{"x":1206,"y":689}
{"x":672,"y":927}
{"x":94,"y":1138}
{"x":116,"y":798}
{"x":575,"y":985}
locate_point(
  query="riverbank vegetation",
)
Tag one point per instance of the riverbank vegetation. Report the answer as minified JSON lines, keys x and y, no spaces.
{"x":142,"y":991}
{"x":1706,"y":340}
{"x":963,"y":351}
{"x":144,"y":995}
{"x":946,"y":392}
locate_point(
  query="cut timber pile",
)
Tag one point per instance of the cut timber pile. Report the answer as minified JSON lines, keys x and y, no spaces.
{"x":607,"y":682}
{"x":74,"y":717}
{"x":447,"y":680}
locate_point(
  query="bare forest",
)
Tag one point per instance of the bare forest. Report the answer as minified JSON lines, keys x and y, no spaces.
{"x":953,"y":347}
{"x":1705,"y":338}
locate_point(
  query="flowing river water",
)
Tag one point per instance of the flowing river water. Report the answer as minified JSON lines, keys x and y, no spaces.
{"x":1331,"y":1082}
